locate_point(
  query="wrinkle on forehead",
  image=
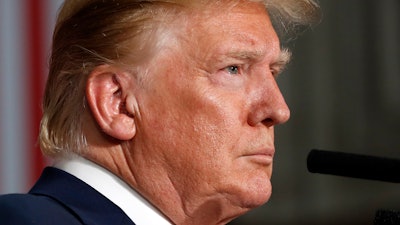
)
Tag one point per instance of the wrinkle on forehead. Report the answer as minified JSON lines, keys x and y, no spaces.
{"x":198,"y":35}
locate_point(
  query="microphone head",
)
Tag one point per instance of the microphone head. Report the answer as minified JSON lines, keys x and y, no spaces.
{"x":354,"y":165}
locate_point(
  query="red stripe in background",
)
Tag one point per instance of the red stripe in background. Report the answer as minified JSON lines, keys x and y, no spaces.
{"x":35,"y":79}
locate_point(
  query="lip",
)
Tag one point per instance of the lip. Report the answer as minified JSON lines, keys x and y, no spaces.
{"x":263,"y":156}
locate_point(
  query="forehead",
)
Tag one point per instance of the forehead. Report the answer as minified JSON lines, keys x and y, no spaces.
{"x":241,"y":31}
{"x":232,"y":27}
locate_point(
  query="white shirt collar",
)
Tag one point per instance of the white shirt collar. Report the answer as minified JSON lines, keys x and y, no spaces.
{"x":138,"y":209}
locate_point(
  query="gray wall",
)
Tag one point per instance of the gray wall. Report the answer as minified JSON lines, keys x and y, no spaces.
{"x":343,"y":88}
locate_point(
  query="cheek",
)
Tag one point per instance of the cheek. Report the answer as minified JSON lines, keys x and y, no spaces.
{"x":215,"y":122}
{"x":191,"y":125}
{"x":194,"y":131}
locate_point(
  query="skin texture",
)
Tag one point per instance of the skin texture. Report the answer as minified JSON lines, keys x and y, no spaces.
{"x":198,"y":133}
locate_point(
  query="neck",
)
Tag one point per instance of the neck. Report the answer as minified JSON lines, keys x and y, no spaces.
{"x":214,"y":211}
{"x":183,"y":207}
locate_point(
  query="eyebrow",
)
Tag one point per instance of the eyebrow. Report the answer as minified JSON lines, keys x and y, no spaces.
{"x":245,"y":55}
{"x":278,"y":65}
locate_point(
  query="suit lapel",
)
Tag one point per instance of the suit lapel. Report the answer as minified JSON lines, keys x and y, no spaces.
{"x":84,"y":201}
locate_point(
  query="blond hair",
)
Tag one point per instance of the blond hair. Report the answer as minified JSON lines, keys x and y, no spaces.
{"x":90,"y":33}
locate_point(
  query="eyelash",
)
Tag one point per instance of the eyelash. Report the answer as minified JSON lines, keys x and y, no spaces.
{"x":274,"y":73}
{"x":237,"y":70}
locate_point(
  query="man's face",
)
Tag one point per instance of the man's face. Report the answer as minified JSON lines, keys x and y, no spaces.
{"x":208,"y":108}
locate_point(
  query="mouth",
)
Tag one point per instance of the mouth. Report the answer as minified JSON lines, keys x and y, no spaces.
{"x":263,"y":157}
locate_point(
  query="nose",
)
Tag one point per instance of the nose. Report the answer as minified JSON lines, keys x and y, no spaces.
{"x":269,"y":106}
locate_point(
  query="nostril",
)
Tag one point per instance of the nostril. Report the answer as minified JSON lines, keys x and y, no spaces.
{"x":276,"y":117}
{"x":268,"y":122}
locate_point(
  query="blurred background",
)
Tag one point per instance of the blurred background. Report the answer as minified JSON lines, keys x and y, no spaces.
{"x":343,"y":88}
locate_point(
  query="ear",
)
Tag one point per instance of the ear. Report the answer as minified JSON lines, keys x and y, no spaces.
{"x":106,"y":93}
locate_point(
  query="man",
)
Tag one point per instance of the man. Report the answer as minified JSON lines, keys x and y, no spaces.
{"x":159,"y":112}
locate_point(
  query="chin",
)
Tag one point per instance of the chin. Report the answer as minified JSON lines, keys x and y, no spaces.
{"x":253,"y":193}
{"x":257,"y":198}
{"x":258,"y":189}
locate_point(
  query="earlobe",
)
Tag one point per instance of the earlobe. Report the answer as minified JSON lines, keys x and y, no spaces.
{"x":106,"y":92}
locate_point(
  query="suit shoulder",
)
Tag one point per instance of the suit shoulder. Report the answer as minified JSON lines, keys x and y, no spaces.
{"x":28,"y":209}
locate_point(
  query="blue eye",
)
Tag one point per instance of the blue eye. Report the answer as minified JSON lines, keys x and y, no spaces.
{"x":232,"y":70}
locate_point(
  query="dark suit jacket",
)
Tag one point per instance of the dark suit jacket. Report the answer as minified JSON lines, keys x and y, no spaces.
{"x":58,"y":198}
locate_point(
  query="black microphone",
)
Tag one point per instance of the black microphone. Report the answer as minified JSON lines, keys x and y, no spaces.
{"x":354,"y":165}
